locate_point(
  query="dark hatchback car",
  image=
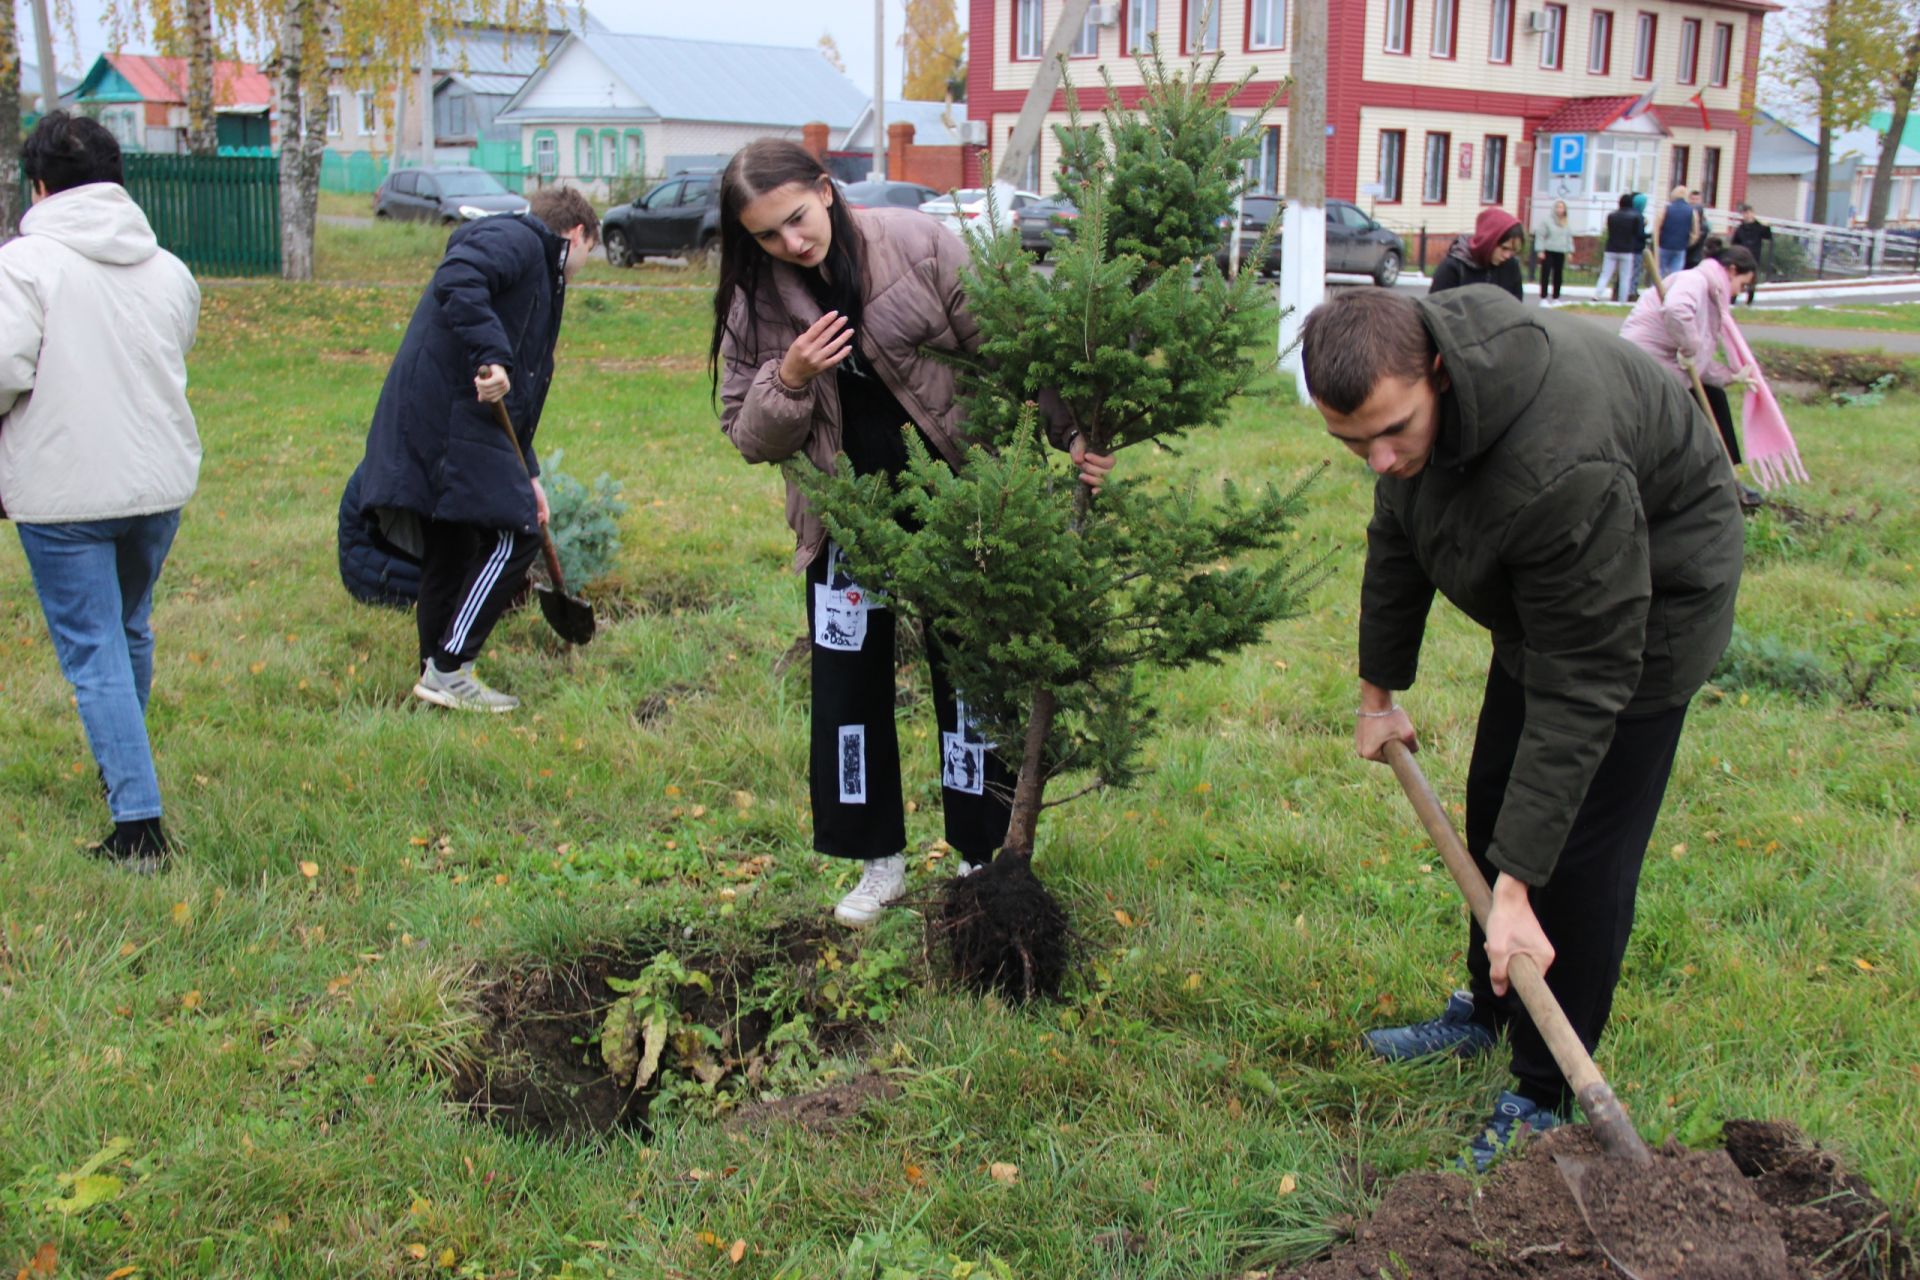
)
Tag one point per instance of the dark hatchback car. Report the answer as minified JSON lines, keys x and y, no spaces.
{"x":443,"y":195}
{"x":679,"y":218}
{"x":1356,"y":244}
{"x":883,"y":195}
{"x":1045,"y":223}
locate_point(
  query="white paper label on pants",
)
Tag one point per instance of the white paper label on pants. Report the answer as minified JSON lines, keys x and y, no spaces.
{"x":840,"y":608}
{"x":963,"y":756}
{"x":853,"y":764}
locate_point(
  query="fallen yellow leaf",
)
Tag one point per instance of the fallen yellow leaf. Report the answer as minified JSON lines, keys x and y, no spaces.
{"x":1288,"y":1184}
{"x":1126,"y":921}
{"x":309,"y":869}
{"x":121,"y":1273}
{"x":738,"y":1253}
{"x":418,"y":1252}
{"x":1865,"y":966}
{"x":1193,"y":982}
{"x":916,"y":1176}
{"x":420,"y":1207}
{"x":182,"y":914}
{"x":1003,"y":1173}
{"x":46,"y":1260}
{"x":191,"y":1000}
{"x":743,"y":799}
{"x":446,"y":1259}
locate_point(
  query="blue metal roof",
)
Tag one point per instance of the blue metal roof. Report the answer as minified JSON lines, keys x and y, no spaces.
{"x":711,"y":80}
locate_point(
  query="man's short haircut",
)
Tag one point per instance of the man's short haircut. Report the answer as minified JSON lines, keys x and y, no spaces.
{"x":1359,"y":337}
{"x":66,"y":151}
{"x":563,"y":209}
{"x":1679,"y":192}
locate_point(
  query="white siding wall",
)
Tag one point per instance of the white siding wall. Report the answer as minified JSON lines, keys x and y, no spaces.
{"x":1462,"y":205}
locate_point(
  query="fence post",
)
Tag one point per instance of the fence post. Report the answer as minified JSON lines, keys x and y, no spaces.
{"x":1423,"y":248}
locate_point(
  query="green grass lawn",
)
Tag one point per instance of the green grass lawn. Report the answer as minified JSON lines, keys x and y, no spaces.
{"x":266,"y":1034}
{"x":1885,"y":317}
{"x":407,"y":252}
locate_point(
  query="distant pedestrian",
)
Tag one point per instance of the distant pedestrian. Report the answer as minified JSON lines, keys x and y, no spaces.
{"x":98,"y":448}
{"x":1624,"y":225}
{"x":1553,"y":241}
{"x":1697,"y":247}
{"x":1641,"y":240}
{"x":1489,"y":254}
{"x":1678,"y":227}
{"x":1753,"y":235}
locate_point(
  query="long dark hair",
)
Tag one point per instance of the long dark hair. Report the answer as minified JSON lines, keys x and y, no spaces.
{"x":764,"y":165}
{"x":1737,"y":259}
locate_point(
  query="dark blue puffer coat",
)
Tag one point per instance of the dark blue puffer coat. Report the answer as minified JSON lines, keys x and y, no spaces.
{"x":434,"y":449}
{"x":373,"y":570}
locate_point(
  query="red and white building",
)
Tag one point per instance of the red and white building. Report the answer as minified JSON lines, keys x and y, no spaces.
{"x":1435,"y":108}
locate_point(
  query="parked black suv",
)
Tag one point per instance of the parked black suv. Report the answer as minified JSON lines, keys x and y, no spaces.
{"x":679,"y":218}
{"x":452,"y":194}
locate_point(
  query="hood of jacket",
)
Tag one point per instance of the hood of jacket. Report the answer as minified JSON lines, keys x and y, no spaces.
{"x":1490,"y":229}
{"x":98,"y":221}
{"x":1495,"y":359}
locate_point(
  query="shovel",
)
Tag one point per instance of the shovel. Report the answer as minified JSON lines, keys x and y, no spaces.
{"x":1646,"y":1230}
{"x":1699,"y":387}
{"x":571,"y":617}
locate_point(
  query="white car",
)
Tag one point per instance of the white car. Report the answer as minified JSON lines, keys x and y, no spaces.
{"x":965,"y":211}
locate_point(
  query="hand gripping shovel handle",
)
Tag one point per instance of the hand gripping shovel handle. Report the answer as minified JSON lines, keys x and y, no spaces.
{"x":546,"y":539}
{"x":1699,"y":387}
{"x":1604,"y":1113}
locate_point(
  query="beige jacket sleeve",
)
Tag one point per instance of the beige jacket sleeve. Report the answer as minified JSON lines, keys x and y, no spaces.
{"x":767,"y":420}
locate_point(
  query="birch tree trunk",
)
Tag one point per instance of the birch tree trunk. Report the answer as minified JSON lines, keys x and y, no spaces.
{"x":203,"y":131}
{"x":302,"y":87}
{"x":10,"y":209}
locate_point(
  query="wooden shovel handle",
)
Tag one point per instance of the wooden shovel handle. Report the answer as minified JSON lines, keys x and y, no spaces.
{"x":1604,"y":1112}
{"x":546,"y":539}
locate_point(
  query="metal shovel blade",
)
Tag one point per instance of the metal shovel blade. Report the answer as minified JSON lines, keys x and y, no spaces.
{"x":571,"y":617}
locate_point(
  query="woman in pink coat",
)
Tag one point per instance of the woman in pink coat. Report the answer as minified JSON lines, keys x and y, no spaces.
{"x":1683,"y":332}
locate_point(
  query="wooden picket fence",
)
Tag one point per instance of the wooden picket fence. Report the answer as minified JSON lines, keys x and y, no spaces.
{"x":218,"y":214}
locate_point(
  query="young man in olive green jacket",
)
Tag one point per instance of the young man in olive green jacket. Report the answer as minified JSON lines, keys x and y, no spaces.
{"x":1559,"y":487}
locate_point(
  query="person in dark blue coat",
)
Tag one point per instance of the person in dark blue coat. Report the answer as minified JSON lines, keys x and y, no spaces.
{"x":440,"y":480}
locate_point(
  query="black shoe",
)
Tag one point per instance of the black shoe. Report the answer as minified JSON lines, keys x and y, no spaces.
{"x":140,"y":847}
{"x":1751,"y":499}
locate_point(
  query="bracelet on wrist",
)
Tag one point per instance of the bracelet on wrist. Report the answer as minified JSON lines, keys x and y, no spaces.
{"x":1377,"y":715}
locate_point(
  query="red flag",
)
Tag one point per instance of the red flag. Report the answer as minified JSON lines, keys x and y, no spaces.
{"x":1700,"y":100}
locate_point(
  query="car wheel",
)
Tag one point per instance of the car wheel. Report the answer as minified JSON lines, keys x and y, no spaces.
{"x":618,"y":255}
{"x":1388,"y":271}
{"x":381,"y":211}
{"x":1040,"y":254}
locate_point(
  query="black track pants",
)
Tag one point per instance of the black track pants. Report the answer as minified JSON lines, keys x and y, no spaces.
{"x":468,"y":577}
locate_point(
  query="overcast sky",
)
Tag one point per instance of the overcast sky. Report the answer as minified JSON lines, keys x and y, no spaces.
{"x":787,"y":22}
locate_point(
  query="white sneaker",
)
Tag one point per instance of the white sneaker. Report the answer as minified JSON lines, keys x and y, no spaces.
{"x":884,"y":880}
{"x":461,"y":689}
{"x":967,"y":869}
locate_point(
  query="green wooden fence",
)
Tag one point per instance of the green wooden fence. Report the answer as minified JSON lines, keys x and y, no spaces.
{"x":218,"y":214}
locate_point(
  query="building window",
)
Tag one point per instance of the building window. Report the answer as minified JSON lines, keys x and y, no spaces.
{"x":1030,"y":175}
{"x":1029,"y":30}
{"x":1266,"y":24}
{"x":1393,"y":163}
{"x":1722,"y":63}
{"x":1087,"y":43}
{"x":333,"y":115}
{"x":609,"y":153}
{"x":1445,"y":23}
{"x":1682,"y":161}
{"x":1600,"y":44}
{"x":1710,"y":177}
{"x":1439,"y":147}
{"x":1143,"y":19}
{"x":1644,"y":34}
{"x":1553,"y":40}
{"x":583,"y":154}
{"x":1500,"y":40}
{"x":369,"y":114}
{"x":546,"y":155}
{"x":1202,"y":25}
{"x":636,"y":157}
{"x":456,"y":117}
{"x":1493,"y":170}
{"x":1263,"y":171}
{"x":1689,"y":50}
{"x":1399,"y":26}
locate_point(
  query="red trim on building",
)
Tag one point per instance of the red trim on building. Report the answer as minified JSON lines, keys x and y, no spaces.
{"x":1346,"y":68}
{"x":1743,"y":132}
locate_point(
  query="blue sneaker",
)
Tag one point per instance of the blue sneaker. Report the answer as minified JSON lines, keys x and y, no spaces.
{"x":1513,"y":1118}
{"x":1454,"y":1031}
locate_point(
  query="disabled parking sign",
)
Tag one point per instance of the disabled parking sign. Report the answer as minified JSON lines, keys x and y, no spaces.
{"x":1569,"y":153}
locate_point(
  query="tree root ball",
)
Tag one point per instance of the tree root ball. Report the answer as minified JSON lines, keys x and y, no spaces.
{"x":1004,"y":932}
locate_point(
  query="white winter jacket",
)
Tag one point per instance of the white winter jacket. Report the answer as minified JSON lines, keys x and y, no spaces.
{"x":95,"y":322}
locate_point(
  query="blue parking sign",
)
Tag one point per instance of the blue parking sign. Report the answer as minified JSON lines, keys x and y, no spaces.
{"x":1569,"y":153}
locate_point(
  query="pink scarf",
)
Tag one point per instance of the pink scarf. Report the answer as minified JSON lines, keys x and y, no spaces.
{"x":1772,"y":456}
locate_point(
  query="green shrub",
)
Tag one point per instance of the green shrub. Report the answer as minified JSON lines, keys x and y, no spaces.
{"x":585,"y":522}
{"x":1758,"y":663}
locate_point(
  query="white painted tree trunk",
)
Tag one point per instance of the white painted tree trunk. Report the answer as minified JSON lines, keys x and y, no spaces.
{"x":302,"y":86}
{"x":203,"y":132}
{"x":1303,"y":230}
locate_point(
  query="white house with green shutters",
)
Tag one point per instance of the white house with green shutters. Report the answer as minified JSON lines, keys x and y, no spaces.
{"x":608,"y":112}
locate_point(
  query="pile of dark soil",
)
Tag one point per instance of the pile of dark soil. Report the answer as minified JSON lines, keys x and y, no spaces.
{"x":1768,"y":1207}
{"x":538,"y":1068}
{"x":1002,"y":930}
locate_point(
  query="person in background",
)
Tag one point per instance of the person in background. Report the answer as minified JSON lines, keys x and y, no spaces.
{"x":1697,"y":247}
{"x":1489,"y":254}
{"x":1753,"y":235}
{"x":1640,"y":243}
{"x":1679,"y":226}
{"x":438,"y":481}
{"x":98,"y":447}
{"x":1553,"y":241}
{"x":1624,"y":227}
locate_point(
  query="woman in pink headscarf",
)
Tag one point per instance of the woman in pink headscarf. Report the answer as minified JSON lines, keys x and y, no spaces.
{"x":1489,"y":254}
{"x":1684,"y":332}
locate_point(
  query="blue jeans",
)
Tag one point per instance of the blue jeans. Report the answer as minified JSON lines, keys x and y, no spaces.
{"x":1672,"y":260}
{"x":95,"y":581}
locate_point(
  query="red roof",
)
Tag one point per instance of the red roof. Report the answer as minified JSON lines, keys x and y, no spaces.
{"x":1585,"y":115}
{"x":157,"y":79}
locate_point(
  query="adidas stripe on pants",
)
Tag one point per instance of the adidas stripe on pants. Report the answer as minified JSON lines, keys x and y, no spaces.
{"x":468,"y":577}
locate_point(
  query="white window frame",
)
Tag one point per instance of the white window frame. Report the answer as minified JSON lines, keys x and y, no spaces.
{"x":609,"y":145}
{"x":1600,"y":43}
{"x":1263,"y":169}
{"x":1493,"y":169}
{"x":1207,"y":40}
{"x":1646,"y":33}
{"x":1029,"y":30}
{"x":1392,"y":177}
{"x":1143,"y":20}
{"x":333,"y":115}
{"x":1266,"y":24}
{"x":1553,"y":41}
{"x":1688,"y":72}
{"x":369,"y":104}
{"x":1500,"y":38}
{"x":1446,"y":29}
{"x":1087,"y":43}
{"x":546,"y":155}
{"x":1433,"y":177}
{"x":1398,"y":26}
{"x":1720,"y":69}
